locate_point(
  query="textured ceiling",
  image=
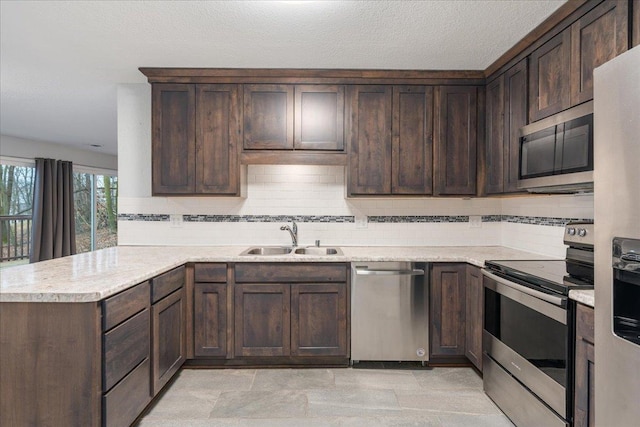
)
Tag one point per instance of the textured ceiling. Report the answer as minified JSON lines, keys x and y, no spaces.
{"x":61,"y":61}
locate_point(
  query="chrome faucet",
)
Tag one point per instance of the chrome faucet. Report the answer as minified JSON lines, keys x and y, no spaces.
{"x":293,"y":230}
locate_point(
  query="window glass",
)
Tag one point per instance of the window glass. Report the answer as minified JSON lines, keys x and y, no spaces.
{"x":82,"y":191}
{"x":16,"y":199}
{"x":106,"y":211}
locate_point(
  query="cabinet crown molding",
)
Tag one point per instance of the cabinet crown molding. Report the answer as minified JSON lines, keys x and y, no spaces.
{"x":311,"y":76}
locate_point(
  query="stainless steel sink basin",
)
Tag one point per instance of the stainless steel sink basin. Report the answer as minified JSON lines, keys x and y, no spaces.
{"x":268,"y":250}
{"x":315,"y":250}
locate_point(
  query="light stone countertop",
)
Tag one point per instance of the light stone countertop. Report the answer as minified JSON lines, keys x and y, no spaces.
{"x":93,"y":276}
{"x":584,"y":296}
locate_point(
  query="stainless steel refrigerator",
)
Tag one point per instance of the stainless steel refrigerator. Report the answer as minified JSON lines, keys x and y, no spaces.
{"x":617,"y":214}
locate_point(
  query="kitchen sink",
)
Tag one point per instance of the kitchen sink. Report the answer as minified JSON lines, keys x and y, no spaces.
{"x":268,"y":250}
{"x":315,"y":250}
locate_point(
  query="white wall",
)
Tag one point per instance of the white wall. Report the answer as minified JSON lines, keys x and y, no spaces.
{"x":315,"y":190}
{"x":11,"y":146}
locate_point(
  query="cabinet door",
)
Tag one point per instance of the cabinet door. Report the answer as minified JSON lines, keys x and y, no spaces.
{"x":210,"y":319}
{"x":173,"y":138}
{"x":319,"y":117}
{"x":600,"y":35}
{"x":412,"y":146}
{"x":585,"y":368}
{"x":473,"y":318}
{"x":495,"y":105}
{"x":447,"y":307}
{"x":515,"y":92}
{"x":635,"y":24}
{"x":262,"y":320}
{"x":268,"y":117}
{"x":319,"y":319}
{"x":456,"y":139}
{"x":218,"y":131}
{"x":168,"y":338}
{"x":549,"y":77}
{"x":370,"y":140}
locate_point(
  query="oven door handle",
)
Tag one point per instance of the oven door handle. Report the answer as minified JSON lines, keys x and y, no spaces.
{"x":557,"y":301}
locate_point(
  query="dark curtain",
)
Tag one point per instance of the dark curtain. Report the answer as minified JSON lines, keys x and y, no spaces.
{"x":53,"y":234}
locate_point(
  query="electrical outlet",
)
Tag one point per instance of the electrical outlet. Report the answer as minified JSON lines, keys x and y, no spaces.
{"x":176,"y":220}
{"x":475,"y":221}
{"x":362,"y":221}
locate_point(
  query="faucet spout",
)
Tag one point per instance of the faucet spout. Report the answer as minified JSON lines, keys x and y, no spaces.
{"x":293,"y":231}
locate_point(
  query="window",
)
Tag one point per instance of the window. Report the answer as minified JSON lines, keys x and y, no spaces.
{"x":95,"y":203}
{"x":96,"y":206}
{"x":16,"y":199}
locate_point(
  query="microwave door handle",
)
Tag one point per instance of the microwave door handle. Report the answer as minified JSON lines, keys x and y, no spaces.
{"x":559,"y":301}
{"x":559,"y":148}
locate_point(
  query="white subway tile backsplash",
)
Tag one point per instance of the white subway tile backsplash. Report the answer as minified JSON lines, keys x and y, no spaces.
{"x":276,"y":190}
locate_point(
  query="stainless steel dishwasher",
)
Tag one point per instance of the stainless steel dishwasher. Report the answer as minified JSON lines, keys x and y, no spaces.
{"x":389,"y":312}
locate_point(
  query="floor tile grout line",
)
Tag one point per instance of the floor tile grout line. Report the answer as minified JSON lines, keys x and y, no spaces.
{"x":253,"y":380}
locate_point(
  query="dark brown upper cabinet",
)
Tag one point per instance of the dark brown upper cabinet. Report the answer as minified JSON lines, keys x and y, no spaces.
{"x":391,"y":140}
{"x":506,"y":113}
{"x":173,"y":138}
{"x":516,"y":105}
{"x":319,"y":117}
{"x":456,"y":134}
{"x":218,"y":132}
{"x":268,"y":117}
{"x":597,"y":37}
{"x":495,"y":146}
{"x":412,"y":142}
{"x":549,"y":70}
{"x":370,"y":140}
{"x":196,"y":131}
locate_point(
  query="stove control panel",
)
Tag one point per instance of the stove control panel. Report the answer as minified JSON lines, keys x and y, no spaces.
{"x":579,"y":234}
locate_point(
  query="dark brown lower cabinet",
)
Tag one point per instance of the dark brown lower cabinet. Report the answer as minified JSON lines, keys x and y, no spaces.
{"x":168,"y":338}
{"x":474,"y":309}
{"x":584,"y":387}
{"x":262,"y":320}
{"x":292,"y":311}
{"x":126,"y":401}
{"x":210,"y":319}
{"x":319,"y":320}
{"x":447,"y":311}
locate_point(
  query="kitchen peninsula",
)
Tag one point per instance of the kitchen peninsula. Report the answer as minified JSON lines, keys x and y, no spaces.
{"x":92,"y":338}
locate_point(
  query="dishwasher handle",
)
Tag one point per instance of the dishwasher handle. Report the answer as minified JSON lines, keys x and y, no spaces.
{"x":366,"y":271}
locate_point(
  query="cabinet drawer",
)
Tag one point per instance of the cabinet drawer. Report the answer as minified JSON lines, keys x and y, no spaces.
{"x":120,"y":307}
{"x":166,"y":283}
{"x":211,"y":273}
{"x":298,"y":272}
{"x":584,"y":323}
{"x":122,"y":405}
{"x":125,"y":346}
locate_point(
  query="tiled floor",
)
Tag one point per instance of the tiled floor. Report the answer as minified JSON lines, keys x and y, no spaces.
{"x":325,"y":397}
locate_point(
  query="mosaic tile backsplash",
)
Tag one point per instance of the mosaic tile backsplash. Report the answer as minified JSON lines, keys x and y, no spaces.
{"x":533,"y":220}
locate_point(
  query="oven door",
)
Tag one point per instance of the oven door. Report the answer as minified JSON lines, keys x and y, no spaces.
{"x":526,"y":333}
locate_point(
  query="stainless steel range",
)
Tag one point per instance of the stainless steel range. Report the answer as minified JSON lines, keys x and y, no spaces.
{"x":528,"y":331}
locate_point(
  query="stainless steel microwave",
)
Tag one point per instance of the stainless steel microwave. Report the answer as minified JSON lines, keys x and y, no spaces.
{"x":556,"y":153}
